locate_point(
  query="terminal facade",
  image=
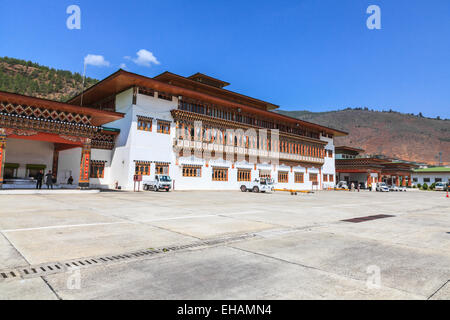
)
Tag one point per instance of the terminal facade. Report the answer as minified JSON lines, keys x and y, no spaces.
{"x":368,"y":170}
{"x":190,"y":128}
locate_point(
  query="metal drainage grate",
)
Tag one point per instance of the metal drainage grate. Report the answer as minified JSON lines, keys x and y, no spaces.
{"x":61,"y":267}
{"x":41,"y":270}
{"x":368,"y":218}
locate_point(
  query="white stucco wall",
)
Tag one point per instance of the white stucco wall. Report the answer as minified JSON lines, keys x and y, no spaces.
{"x":69,"y":165}
{"x":432,"y":176}
{"x":25,"y":152}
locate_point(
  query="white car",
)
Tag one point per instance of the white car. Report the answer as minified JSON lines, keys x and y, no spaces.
{"x":440,"y":186}
{"x":342,"y":185}
{"x":382,"y":187}
{"x":258,"y":185}
{"x":393,"y":188}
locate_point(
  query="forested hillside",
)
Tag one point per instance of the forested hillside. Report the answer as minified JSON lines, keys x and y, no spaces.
{"x":26,"y":77}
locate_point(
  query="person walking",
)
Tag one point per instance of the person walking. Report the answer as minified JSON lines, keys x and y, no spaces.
{"x":39,"y":178}
{"x":49,"y":180}
{"x":352,"y":186}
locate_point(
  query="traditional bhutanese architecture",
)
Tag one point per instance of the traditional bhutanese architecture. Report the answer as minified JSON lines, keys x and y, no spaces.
{"x":38,"y":134}
{"x":191,"y":128}
{"x":351,"y":167}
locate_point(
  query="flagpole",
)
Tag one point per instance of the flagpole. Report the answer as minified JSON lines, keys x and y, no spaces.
{"x":82,"y":86}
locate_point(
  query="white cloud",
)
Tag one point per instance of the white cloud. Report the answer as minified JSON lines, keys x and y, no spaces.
{"x":144,"y":58}
{"x":123,"y":66}
{"x":96,"y":60}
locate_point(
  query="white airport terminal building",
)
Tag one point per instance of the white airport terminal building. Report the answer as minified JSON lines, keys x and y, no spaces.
{"x":203,"y":136}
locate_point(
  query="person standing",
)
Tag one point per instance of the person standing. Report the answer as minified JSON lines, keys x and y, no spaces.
{"x":49,"y":180}
{"x":39,"y":178}
{"x":70,"y":180}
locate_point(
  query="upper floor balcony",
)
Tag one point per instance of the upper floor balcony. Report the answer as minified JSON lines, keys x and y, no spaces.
{"x":187,"y":144}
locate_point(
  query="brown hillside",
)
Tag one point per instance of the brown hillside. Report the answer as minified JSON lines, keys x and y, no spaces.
{"x":392,"y":134}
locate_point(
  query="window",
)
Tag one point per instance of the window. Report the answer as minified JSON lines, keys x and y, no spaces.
{"x":283,"y":176}
{"x":331,"y":178}
{"x":244,"y":175}
{"x":142,"y":168}
{"x":265,"y":174}
{"x":415,"y":179}
{"x":163,"y":127}
{"x":330,"y":153}
{"x":325,"y":178}
{"x":144,"y":123}
{"x":426,"y":180}
{"x":161,"y":168}
{"x":192,"y":171}
{"x":165,"y":96}
{"x":147,"y":92}
{"x":97,"y":169}
{"x":437,"y":179}
{"x":299,"y":177}
{"x":313,"y":177}
{"x":220,"y":174}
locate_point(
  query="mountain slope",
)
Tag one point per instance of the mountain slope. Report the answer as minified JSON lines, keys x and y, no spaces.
{"x":393,"y":134}
{"x":26,"y":77}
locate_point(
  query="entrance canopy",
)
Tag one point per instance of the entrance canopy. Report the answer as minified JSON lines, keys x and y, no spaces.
{"x":66,"y":126}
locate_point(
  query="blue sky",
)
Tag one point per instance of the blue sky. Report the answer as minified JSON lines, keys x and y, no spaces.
{"x":316,"y":55}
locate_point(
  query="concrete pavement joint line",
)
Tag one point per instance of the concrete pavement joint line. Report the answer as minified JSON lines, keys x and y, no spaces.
{"x":440,"y":288}
{"x":42,"y":270}
{"x":68,"y":226}
{"x":317,"y":269}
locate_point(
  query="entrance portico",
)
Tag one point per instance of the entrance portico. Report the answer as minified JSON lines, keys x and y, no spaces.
{"x":367,"y":171}
{"x":38,"y":130}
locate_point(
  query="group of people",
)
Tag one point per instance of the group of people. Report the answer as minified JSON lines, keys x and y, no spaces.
{"x":49,"y":179}
{"x":352,"y":187}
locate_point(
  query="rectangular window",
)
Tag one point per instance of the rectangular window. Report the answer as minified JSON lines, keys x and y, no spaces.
{"x":331,"y":178}
{"x":165,"y":96}
{"x":313,"y":177}
{"x":162,"y":169}
{"x":220,"y":174}
{"x":265,"y":174}
{"x":144,"y":124}
{"x":299,"y":177}
{"x":325,"y":178}
{"x":330,"y":153}
{"x":163,"y":127}
{"x":437,"y":179}
{"x":97,"y":169}
{"x":192,"y":171}
{"x":142,"y":168}
{"x":415,"y":179}
{"x":283,"y":176}
{"x":244,"y":175}
{"x":426,"y":180}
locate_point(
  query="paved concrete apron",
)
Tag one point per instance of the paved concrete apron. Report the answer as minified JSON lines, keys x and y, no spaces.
{"x":296,"y":247}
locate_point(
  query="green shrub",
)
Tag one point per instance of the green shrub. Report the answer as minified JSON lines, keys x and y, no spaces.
{"x":432,"y":186}
{"x":419,"y":185}
{"x":425,"y":186}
